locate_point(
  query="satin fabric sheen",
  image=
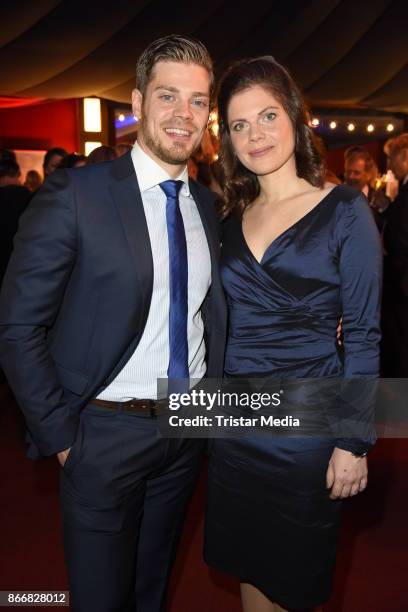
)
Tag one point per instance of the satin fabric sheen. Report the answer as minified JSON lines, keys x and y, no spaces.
{"x":270,"y":520}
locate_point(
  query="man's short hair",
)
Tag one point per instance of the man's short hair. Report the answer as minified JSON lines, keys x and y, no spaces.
{"x":8,"y":167}
{"x":172,"y":48}
{"x":397,"y":144}
{"x":7,"y":154}
{"x":51,"y":152}
{"x":358,"y":152}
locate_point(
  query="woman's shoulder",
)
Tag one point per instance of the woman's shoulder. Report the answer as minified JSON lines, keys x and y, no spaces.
{"x":348,"y":194}
{"x":353,"y":216}
{"x":343,"y":193}
{"x":349,"y":202}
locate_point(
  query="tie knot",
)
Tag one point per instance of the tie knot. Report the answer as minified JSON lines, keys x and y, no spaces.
{"x":171,"y":188}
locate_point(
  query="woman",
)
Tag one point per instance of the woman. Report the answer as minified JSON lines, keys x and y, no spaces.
{"x":298,"y":254}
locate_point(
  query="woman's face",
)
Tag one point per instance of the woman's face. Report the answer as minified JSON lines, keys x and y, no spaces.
{"x":261,"y":132}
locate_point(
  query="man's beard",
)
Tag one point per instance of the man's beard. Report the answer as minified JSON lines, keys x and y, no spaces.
{"x":353,"y":183}
{"x":176,"y":154}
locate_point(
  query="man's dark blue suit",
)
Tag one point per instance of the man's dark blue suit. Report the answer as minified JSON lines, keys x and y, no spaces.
{"x":73,"y":307}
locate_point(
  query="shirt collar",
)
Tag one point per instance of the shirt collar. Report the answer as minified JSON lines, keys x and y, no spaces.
{"x":365,"y":190}
{"x":150,"y":174}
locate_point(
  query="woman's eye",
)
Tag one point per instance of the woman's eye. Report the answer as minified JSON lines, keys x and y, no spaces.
{"x":238,"y":127}
{"x":270,"y":116}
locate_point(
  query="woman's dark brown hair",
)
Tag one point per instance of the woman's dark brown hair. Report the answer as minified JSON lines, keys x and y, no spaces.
{"x":240,"y":185}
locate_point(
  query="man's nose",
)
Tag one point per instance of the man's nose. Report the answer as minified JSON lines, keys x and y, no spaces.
{"x":183,"y":109}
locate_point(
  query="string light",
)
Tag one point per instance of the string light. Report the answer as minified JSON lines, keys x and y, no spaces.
{"x":121,"y":117}
{"x":351,"y":126}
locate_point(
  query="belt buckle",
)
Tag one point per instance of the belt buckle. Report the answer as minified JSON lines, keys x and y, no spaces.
{"x":147,"y":404}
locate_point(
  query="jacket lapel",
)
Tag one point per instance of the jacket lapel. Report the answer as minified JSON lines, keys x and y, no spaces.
{"x":127,"y":198}
{"x":210,"y":232}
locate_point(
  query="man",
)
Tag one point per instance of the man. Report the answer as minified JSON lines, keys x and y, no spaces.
{"x":396,"y":259}
{"x":359,"y":170}
{"x":104,"y":295}
{"x":13,"y":200}
{"x":52,"y":160}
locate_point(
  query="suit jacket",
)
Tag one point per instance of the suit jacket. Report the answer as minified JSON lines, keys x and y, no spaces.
{"x":396,"y":243}
{"x":76,"y":295}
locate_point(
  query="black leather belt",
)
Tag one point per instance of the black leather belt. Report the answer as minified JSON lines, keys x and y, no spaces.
{"x":148,"y":407}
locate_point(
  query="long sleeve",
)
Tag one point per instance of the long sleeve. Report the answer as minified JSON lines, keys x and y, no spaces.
{"x":361,"y":281}
{"x":360,"y":266}
{"x":33,"y":288}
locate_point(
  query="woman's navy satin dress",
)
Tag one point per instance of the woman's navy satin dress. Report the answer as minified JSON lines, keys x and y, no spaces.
{"x":270,"y":520}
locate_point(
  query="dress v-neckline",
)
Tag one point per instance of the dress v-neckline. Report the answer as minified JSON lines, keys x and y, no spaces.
{"x":288,"y":229}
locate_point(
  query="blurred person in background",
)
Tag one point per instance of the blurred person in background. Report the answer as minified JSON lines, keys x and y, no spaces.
{"x":73,"y":160}
{"x":360,"y":171}
{"x":52,"y":159}
{"x":9,"y":173}
{"x":101,"y":154}
{"x":33,"y":180}
{"x":396,"y":261}
{"x":13,"y":201}
{"x":7,"y":154}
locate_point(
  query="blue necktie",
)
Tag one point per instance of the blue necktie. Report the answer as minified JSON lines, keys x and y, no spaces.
{"x":177,"y":372}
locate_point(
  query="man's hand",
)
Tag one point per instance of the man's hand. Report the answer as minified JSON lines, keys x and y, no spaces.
{"x":63,"y":456}
{"x":346,"y":474}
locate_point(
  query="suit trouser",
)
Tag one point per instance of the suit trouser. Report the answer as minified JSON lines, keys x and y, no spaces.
{"x":124,"y":493}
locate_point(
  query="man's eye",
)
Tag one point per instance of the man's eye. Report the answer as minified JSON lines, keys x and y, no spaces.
{"x":200,"y":103}
{"x":167,"y":97}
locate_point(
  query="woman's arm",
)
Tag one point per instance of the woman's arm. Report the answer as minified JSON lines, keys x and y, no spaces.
{"x":360,"y":264}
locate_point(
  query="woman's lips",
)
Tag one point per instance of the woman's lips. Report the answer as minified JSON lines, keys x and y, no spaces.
{"x":260,"y":152}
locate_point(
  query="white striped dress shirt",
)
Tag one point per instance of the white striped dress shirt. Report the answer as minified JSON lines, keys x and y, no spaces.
{"x":149,"y":362}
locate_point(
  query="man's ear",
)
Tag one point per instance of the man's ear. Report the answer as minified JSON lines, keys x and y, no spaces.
{"x":137,"y":99}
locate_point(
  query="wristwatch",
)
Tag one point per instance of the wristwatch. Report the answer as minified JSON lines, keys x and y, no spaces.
{"x":359,"y":454}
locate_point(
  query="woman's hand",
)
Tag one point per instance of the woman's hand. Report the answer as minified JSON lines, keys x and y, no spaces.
{"x":346,"y":474}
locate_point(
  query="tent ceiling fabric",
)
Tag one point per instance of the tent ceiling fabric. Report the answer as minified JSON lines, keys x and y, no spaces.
{"x":342,"y":52}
